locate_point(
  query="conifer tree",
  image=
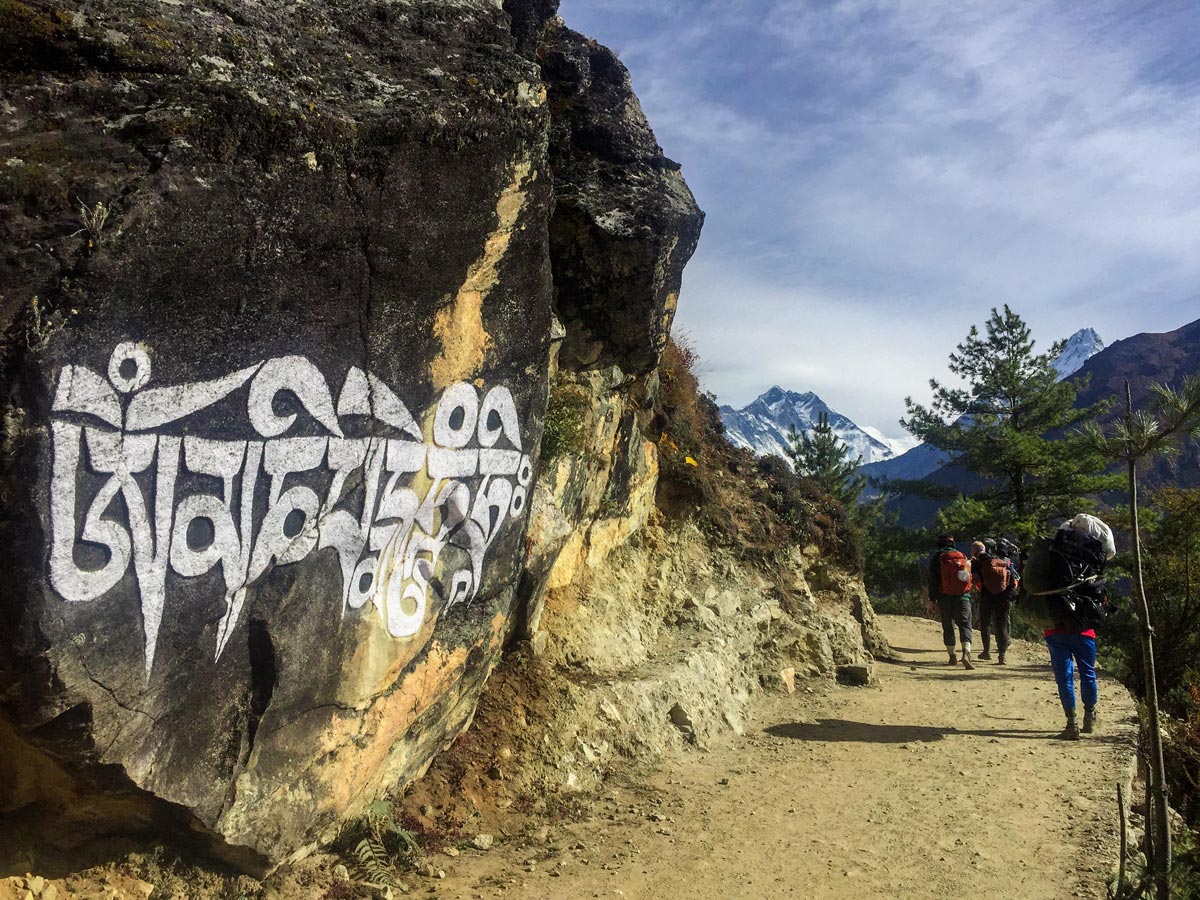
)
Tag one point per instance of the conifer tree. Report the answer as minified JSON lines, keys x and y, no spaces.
{"x":1013,"y":425}
{"x":823,"y":457}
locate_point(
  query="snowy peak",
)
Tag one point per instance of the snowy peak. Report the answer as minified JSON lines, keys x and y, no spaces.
{"x":898,"y":445}
{"x":1081,"y":346}
{"x":763,"y":425}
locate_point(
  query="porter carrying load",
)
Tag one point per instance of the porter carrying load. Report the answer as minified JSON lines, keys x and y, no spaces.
{"x":1063,"y":576}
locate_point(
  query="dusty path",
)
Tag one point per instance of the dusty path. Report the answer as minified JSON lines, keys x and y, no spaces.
{"x":937,"y":783}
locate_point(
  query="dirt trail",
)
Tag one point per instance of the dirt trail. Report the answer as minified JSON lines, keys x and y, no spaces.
{"x":936,"y":783}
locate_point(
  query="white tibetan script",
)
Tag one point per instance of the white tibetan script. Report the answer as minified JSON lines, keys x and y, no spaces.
{"x":391,"y":505}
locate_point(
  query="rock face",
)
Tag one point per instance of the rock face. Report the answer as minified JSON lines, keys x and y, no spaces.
{"x":625,"y":222}
{"x":278,"y":315}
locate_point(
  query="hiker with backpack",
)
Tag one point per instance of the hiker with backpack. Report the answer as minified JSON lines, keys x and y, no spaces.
{"x":996,"y":580}
{"x":1066,"y":595}
{"x":950,"y":587}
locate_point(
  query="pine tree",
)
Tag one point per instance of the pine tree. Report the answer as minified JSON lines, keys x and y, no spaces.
{"x":821,"y":456}
{"x":1013,"y":424}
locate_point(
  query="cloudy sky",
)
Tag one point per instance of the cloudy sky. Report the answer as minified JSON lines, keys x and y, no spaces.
{"x":879,"y":173}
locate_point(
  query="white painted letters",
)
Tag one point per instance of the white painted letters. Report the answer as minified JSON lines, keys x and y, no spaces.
{"x":295,"y":484}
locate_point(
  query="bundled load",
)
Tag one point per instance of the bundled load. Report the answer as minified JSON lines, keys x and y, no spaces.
{"x":1063,"y":580}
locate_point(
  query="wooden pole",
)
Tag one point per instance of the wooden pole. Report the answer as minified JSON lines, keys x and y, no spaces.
{"x":1124,"y":840}
{"x":1158,"y":786}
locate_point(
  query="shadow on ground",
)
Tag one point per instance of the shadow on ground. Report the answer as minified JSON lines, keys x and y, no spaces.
{"x":843,"y":730}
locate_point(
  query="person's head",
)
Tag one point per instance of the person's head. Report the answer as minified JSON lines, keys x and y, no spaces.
{"x":989,"y":546}
{"x":945,"y":541}
{"x":976,"y":549}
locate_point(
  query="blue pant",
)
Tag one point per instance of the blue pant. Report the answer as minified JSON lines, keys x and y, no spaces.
{"x":1065,"y":651}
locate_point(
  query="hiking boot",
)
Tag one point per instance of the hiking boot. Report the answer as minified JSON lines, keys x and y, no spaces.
{"x":986,"y":654}
{"x":1001,"y":661}
{"x":966,"y":660}
{"x":1089,"y":721}
{"x":1071,"y":732}
{"x":953,"y":661}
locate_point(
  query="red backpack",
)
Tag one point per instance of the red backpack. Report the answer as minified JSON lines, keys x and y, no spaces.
{"x":996,"y":575}
{"x":954,"y":573}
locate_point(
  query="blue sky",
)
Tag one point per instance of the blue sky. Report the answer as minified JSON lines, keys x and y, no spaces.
{"x":878,"y":175}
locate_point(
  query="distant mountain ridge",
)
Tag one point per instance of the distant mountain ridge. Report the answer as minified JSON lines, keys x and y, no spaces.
{"x":763,"y":425}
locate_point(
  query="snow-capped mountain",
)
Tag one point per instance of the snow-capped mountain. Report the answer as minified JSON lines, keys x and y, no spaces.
{"x":1081,"y":346}
{"x":763,"y":425}
{"x":920,"y":461}
{"x":898,"y":445}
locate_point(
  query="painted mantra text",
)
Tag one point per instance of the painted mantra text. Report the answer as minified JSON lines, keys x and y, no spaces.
{"x":406,"y":517}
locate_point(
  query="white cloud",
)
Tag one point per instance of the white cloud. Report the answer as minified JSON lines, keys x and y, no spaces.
{"x":879,"y":173}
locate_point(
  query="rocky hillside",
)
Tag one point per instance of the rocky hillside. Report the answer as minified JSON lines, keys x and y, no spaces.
{"x":331,"y":343}
{"x":1142,"y":360}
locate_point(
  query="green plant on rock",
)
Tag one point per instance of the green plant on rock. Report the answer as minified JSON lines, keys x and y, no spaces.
{"x":43,"y":324}
{"x":565,"y":427}
{"x":93,"y":219}
{"x":376,"y":845}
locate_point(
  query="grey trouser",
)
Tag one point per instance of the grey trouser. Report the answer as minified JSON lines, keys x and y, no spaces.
{"x":955,"y":610}
{"x":993,"y":615}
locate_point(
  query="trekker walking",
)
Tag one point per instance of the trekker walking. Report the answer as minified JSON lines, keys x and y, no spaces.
{"x":1071,"y":646}
{"x":950,"y":588}
{"x":1065,"y":590}
{"x":996,"y":578}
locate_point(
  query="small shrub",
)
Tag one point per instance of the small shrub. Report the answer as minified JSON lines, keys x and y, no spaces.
{"x":690,"y":421}
{"x":376,"y":845}
{"x":819,"y":519}
{"x":44,"y":323}
{"x":909,"y":603}
{"x":565,"y":428}
{"x":93,"y":219}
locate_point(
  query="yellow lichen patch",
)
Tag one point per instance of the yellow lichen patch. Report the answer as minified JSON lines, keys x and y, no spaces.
{"x":498,"y":621}
{"x":459,"y":324}
{"x":607,"y":535}
{"x":359,"y":753}
{"x":570,"y":560}
{"x":391,"y":717}
{"x":378,"y":658}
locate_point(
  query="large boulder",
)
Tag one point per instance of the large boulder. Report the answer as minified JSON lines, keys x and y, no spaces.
{"x":276,"y":312}
{"x":625,"y":222}
{"x":624,"y":226}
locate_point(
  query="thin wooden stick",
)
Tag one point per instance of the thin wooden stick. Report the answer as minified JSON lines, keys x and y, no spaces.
{"x":1124,"y":841}
{"x":1149,"y":841}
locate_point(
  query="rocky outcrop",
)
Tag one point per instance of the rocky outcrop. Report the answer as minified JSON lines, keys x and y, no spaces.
{"x":624,"y":223}
{"x":277,"y":321}
{"x":657,"y":651}
{"x":285,"y":291}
